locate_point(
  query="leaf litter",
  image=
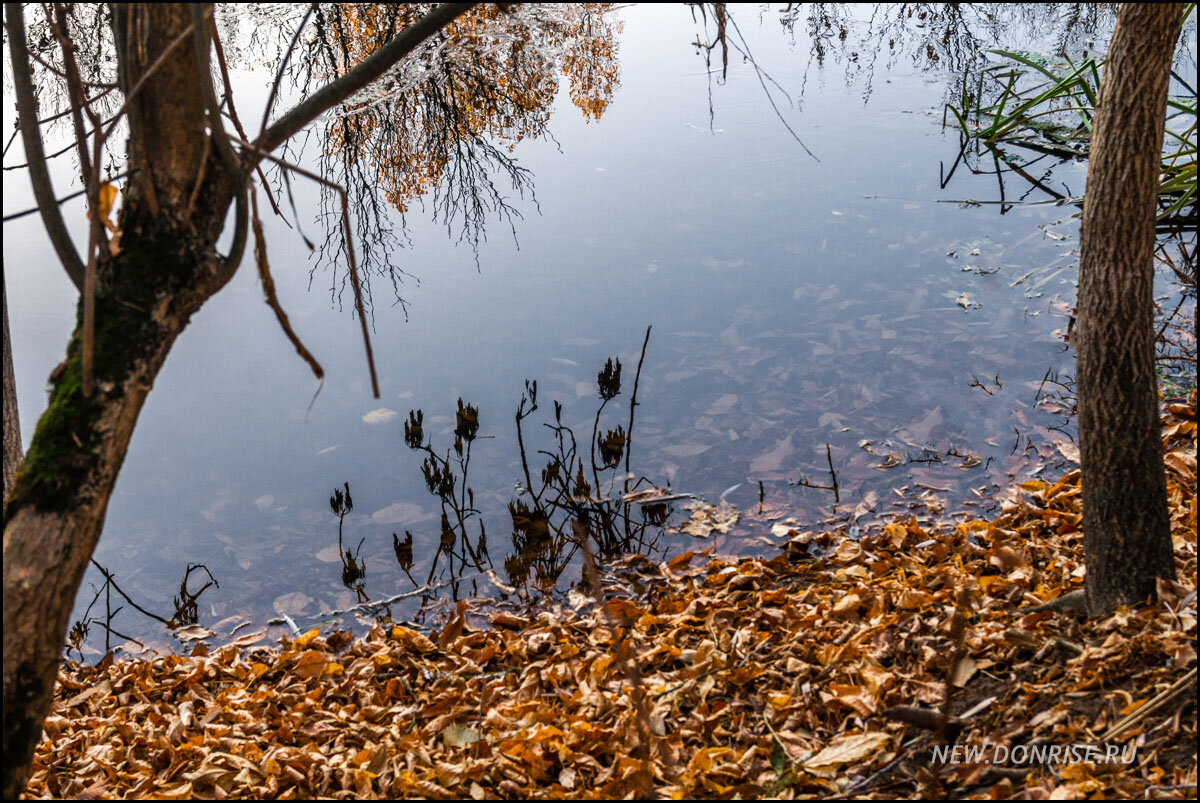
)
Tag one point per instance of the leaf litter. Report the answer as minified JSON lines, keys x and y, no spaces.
{"x":795,"y":676}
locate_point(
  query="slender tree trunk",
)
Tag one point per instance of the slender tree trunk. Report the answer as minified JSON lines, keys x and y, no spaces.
{"x":12,"y":421}
{"x":1126,"y":524}
{"x":166,"y":269}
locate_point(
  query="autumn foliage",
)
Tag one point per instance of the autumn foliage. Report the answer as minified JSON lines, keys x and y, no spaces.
{"x":494,"y":77}
{"x":793,"y":676}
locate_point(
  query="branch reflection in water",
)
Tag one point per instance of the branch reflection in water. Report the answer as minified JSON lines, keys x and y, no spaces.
{"x":185,"y":604}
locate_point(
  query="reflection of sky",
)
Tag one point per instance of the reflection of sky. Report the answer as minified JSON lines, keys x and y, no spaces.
{"x":789,"y":310}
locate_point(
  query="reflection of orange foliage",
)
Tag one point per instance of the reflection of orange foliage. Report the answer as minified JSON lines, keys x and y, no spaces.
{"x":496,"y":76}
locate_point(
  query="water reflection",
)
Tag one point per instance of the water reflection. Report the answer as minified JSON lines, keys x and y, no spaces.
{"x":794,"y":320}
{"x":444,"y":128}
{"x":575,"y":504}
{"x":185,"y":604}
{"x":935,"y":36}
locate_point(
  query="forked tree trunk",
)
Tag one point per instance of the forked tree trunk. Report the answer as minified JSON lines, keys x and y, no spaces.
{"x":166,"y":269}
{"x":1126,"y":524}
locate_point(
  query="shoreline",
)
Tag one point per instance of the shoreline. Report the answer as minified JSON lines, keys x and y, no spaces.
{"x":790,"y":676}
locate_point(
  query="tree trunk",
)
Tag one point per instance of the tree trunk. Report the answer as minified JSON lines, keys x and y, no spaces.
{"x":56,"y":510}
{"x":12,"y":421}
{"x":1126,"y":524}
{"x":166,"y":269}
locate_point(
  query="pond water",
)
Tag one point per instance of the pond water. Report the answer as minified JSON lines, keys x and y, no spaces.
{"x":845,"y":311}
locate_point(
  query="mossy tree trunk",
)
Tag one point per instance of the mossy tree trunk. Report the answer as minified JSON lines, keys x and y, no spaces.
{"x":184,"y":177}
{"x":1127,"y":534}
{"x":166,"y":269}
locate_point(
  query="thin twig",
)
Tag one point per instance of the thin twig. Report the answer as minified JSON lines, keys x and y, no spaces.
{"x":233,"y":115}
{"x":1186,"y":682}
{"x":282,"y":67}
{"x":358,"y":300}
{"x":108,"y":576}
{"x":268,"y":286}
{"x":60,"y":201}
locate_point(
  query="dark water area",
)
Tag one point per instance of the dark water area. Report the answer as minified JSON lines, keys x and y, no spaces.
{"x":849,"y":313}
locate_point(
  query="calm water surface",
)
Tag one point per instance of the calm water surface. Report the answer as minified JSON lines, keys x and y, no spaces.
{"x":794,"y":303}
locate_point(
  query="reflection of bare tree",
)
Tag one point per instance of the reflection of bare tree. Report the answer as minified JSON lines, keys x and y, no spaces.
{"x":934,"y":35}
{"x":443,"y":128}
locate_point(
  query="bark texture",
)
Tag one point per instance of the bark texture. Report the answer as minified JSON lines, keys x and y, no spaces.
{"x":12,"y":421}
{"x":1126,"y":524}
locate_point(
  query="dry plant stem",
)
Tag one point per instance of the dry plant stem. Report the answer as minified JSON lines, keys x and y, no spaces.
{"x":268,"y":286}
{"x":832,"y":474}
{"x":1184,"y":683}
{"x":592,"y":446}
{"x":233,"y":115}
{"x":633,"y":406}
{"x":837,"y":498}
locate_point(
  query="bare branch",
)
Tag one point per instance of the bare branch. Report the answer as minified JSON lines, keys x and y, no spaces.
{"x":90,"y":166}
{"x":39,"y":176}
{"x":371,"y":68}
{"x":268,"y":285}
{"x":358,"y":299}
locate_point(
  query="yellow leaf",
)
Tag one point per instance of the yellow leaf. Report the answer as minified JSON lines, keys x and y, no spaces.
{"x":413,"y":639}
{"x":847,"y":749}
{"x":305,"y":640}
{"x":108,"y":196}
{"x":311,"y":664}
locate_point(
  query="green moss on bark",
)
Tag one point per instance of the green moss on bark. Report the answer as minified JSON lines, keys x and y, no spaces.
{"x":154,"y":263}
